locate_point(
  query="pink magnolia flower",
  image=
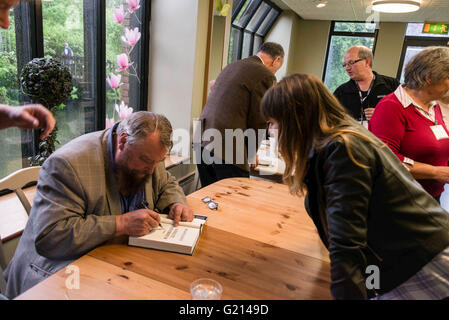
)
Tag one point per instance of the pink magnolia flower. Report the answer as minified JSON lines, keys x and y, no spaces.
{"x":119,"y":14}
{"x":133,"y":5}
{"x":109,"y":123}
{"x":131,"y":36}
{"x":122,"y":61}
{"x":114,"y":81}
{"x":123,"y":111}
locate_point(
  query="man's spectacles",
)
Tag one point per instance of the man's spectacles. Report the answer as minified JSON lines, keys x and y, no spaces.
{"x":351,"y":63}
{"x":211,"y":204}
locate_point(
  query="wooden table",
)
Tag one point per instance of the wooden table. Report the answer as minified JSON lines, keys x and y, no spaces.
{"x":259,"y":244}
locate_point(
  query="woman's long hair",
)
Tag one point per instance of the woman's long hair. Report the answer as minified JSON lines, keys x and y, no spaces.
{"x":309,"y":116}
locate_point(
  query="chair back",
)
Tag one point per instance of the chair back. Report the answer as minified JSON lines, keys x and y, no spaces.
{"x":17,"y":180}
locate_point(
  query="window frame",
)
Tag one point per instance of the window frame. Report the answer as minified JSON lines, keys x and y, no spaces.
{"x":346,"y":34}
{"x":418,"y":41}
{"x":30,"y":44}
{"x":242,"y":29}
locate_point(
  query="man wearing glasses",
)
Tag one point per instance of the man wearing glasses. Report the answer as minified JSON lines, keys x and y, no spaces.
{"x":366,"y":87}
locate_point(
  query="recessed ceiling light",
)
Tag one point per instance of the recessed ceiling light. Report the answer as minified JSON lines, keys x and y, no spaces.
{"x":396,"y":6}
{"x":321,"y":4}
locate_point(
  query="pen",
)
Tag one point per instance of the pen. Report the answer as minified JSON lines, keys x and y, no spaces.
{"x":144,"y":204}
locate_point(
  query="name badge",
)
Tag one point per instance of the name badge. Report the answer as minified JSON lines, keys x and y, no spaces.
{"x":439,"y":132}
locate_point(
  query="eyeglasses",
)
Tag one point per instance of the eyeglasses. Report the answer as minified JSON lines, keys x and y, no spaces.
{"x":351,"y":63}
{"x":211,"y":204}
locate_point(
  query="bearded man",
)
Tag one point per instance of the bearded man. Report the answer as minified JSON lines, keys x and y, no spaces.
{"x":91,"y":191}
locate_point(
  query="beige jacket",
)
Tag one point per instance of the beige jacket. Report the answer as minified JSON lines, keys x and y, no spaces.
{"x":74,"y":209}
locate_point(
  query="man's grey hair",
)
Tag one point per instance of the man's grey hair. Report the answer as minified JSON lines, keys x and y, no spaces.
{"x":273,"y":49}
{"x":139,"y":125}
{"x":431,"y":64}
{"x":365,"y":53}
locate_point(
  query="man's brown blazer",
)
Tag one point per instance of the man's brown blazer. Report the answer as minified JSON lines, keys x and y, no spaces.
{"x":234,"y":102}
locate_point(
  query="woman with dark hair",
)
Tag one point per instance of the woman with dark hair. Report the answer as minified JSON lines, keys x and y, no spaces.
{"x":369,"y":211}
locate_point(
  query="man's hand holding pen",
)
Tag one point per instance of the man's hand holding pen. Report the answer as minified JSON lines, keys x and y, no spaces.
{"x":140,"y":222}
{"x":136,"y":223}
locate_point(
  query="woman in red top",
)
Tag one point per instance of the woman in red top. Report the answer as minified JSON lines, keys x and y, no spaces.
{"x":410,"y":122}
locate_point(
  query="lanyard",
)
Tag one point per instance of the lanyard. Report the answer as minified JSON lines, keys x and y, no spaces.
{"x":362,"y":99}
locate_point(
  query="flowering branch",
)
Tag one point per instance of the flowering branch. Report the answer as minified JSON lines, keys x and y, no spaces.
{"x":130,"y":38}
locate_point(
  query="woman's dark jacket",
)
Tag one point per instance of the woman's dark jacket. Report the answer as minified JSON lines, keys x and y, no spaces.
{"x":371,"y":216}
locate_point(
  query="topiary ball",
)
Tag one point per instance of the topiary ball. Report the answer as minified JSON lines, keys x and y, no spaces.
{"x":46,"y":82}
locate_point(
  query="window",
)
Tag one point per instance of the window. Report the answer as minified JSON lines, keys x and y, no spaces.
{"x":128,"y":94}
{"x":10,"y":139}
{"x":63,"y":34}
{"x":251,"y":21}
{"x":84,"y":36}
{"x":415,"y":41}
{"x":344,"y":35}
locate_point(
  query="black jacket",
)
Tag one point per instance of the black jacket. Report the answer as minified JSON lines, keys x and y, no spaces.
{"x":375,"y":216}
{"x":349,"y":97}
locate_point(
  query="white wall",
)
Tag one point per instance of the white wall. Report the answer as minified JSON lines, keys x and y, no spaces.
{"x":310,"y":46}
{"x":172,"y":59}
{"x":281,"y":32}
{"x":178,"y":37}
{"x":217,"y":47}
{"x":389,"y":47}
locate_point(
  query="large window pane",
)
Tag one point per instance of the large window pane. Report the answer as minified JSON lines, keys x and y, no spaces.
{"x":267,"y":23}
{"x":335,"y":73}
{"x":234,"y":42}
{"x":123,"y":37}
{"x":354,"y":27}
{"x":246,"y":12}
{"x":258,"y":40}
{"x":246,"y":48}
{"x":10,"y":141}
{"x":256,"y":19}
{"x":410,"y":52}
{"x":64,"y":40}
{"x":235,"y":6}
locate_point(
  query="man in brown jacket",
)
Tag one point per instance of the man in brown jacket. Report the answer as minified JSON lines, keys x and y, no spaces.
{"x":233,"y":107}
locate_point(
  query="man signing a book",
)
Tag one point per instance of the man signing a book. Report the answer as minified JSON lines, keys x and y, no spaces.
{"x":91,"y":191}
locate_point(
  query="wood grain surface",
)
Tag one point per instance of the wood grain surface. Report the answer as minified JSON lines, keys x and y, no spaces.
{"x":259,"y":244}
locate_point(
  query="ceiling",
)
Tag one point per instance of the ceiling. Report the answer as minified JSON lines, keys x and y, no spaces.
{"x":355,"y":10}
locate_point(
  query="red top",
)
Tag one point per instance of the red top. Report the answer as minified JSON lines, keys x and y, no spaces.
{"x":407,"y":132}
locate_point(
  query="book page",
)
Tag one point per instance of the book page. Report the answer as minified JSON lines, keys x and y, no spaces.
{"x":181,"y":239}
{"x":197,"y":222}
{"x":169,"y":234}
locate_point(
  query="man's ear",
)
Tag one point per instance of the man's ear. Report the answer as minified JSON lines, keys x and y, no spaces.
{"x":428,"y":81}
{"x":368,"y":62}
{"x":121,"y":141}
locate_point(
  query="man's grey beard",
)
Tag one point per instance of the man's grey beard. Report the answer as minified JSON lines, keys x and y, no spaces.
{"x":128,"y":181}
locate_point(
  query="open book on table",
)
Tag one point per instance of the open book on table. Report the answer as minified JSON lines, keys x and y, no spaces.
{"x":182,"y":239}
